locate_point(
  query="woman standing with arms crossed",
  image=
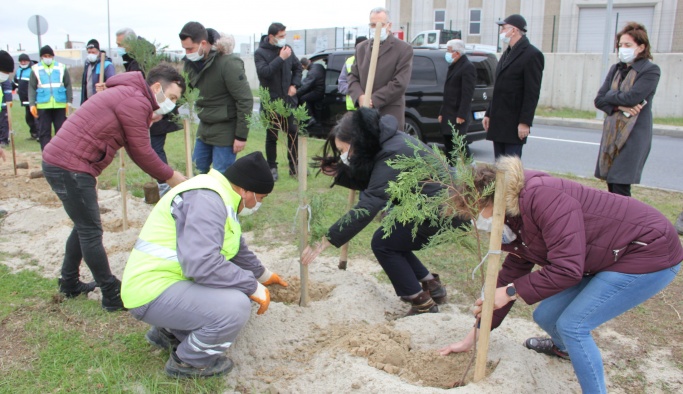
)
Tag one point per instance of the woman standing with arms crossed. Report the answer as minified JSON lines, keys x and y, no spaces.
{"x":626,"y":98}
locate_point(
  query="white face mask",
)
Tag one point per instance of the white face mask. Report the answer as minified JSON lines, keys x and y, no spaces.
{"x":165,"y":106}
{"x":504,"y":38}
{"x":195,"y":56}
{"x":47,"y":61}
{"x":3,"y":77}
{"x":23,"y":65}
{"x":382,"y":34}
{"x":345,"y":158}
{"x":484,"y":224}
{"x":627,"y":55}
{"x":280,"y":42}
{"x":250,"y":211}
{"x":92,"y":58}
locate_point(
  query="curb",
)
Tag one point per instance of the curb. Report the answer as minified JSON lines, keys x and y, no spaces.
{"x":657,"y":129}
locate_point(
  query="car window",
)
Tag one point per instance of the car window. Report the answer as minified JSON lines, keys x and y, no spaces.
{"x":424,"y":71}
{"x":485,"y":72}
{"x":331,"y":77}
{"x":419,"y":40}
{"x":431,"y":38}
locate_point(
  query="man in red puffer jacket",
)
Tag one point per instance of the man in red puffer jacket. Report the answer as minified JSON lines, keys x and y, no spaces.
{"x":86,"y":144}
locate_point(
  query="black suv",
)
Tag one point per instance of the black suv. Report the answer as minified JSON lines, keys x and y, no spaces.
{"x":424,"y":94}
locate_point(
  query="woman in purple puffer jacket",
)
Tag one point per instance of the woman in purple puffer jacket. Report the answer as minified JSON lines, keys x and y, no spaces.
{"x":600,"y":254}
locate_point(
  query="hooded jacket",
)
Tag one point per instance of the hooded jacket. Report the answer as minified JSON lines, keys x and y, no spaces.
{"x":275,"y":74}
{"x":571,"y":230}
{"x":109,"y":72}
{"x":225,"y":98}
{"x":379,"y":141}
{"x":117,"y":117}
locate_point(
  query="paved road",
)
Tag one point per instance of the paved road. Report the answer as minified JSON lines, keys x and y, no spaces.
{"x":575,"y":151}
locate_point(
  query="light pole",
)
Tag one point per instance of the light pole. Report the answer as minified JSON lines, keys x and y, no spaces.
{"x":108,"y":31}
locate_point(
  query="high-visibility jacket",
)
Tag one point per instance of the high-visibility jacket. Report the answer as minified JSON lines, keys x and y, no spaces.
{"x":21,"y":78}
{"x":51,"y":92}
{"x":350,"y":106}
{"x":153,"y":264}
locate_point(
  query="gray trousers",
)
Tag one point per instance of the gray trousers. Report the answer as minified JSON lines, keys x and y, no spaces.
{"x":206,"y":320}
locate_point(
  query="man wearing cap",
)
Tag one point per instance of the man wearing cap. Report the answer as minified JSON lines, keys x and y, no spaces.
{"x":455,"y":113}
{"x":510,"y":114}
{"x":225,"y":98}
{"x":394,"y":67}
{"x":90,"y":84}
{"x":49,"y":94}
{"x":6,"y":68}
{"x":191,"y":274}
{"x":21,"y":80}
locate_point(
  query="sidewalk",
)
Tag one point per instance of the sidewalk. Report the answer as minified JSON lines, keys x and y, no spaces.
{"x":594,"y":124}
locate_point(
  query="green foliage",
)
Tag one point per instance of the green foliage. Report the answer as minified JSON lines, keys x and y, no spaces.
{"x":275,"y":114}
{"x":147,"y":54}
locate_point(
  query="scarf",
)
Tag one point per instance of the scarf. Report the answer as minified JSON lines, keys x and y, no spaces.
{"x":617,"y":127}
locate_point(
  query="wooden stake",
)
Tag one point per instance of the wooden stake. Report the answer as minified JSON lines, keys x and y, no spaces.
{"x":102,"y":67}
{"x":366,"y":103}
{"x":11,"y":137}
{"x":124,"y":189}
{"x":302,"y":148}
{"x":188,"y":148}
{"x":492,"y":267}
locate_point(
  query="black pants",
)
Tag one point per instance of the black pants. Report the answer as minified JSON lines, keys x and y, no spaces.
{"x":289,"y":126}
{"x":78,"y":194}
{"x":158,"y":142}
{"x":313,"y":102}
{"x":503,"y":149}
{"x":619,"y":188}
{"x":395,"y":255}
{"x":47,"y":118}
{"x":4,"y":127}
{"x":450,"y":148}
{"x":31,"y":122}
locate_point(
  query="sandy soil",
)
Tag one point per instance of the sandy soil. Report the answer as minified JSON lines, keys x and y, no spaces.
{"x":349,"y":339}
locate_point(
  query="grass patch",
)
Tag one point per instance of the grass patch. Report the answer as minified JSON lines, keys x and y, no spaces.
{"x":581,"y":114}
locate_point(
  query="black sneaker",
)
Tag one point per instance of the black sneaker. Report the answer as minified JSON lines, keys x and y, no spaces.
{"x":75,"y":289}
{"x":161,"y":338}
{"x":545,"y":346}
{"x":178,"y":369}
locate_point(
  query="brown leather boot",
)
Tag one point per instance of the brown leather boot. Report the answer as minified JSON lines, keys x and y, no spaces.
{"x":423,"y":303}
{"x":435,"y":289}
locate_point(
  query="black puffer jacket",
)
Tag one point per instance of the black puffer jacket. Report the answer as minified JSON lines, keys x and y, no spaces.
{"x":314,"y":83}
{"x":275,"y":74}
{"x":369,"y":171}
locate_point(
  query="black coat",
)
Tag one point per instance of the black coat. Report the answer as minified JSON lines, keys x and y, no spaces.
{"x":314,"y":83}
{"x":21,"y":78}
{"x":369,"y":171}
{"x":457,"y":95}
{"x":275,"y":74}
{"x":515,"y":93}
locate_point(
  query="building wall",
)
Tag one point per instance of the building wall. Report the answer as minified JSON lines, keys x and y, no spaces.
{"x":677,"y":43}
{"x":550,"y":22}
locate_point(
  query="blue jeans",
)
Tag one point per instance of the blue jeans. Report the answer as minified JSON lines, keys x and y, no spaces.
{"x":204,"y":154}
{"x":570,"y":316}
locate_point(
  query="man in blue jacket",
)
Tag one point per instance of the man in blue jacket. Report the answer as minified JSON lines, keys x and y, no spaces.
{"x":91,"y":73}
{"x":21,"y":78}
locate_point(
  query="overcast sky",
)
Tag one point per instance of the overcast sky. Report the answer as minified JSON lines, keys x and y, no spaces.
{"x":161,"y":20}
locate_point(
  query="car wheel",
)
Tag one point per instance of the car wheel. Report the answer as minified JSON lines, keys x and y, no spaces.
{"x":411,"y":128}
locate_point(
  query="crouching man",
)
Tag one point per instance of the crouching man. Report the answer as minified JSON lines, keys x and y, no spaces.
{"x":191,"y":275}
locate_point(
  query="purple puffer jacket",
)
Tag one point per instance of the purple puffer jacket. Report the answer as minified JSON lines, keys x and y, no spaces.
{"x":571,"y":230}
{"x":118,"y":117}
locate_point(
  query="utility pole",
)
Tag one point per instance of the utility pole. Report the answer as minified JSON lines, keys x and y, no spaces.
{"x":608,"y":41}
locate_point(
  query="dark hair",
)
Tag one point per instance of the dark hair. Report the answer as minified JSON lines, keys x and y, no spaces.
{"x":639,"y":35}
{"x":484,"y":175}
{"x":360,"y":39}
{"x":344,"y":131}
{"x":166,"y":74}
{"x":305,"y":62}
{"x":275,"y":28}
{"x":213,"y":35}
{"x":194,"y":31}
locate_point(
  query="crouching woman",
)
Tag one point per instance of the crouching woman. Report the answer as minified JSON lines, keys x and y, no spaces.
{"x":600,"y":254}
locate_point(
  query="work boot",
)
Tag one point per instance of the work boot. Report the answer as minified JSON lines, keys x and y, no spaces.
{"x":435,"y":289}
{"x":178,"y":369}
{"x":161,"y":338}
{"x":74,"y":288}
{"x":111,"y":295}
{"x":423,"y":303}
{"x":545,"y":346}
{"x":679,"y":224}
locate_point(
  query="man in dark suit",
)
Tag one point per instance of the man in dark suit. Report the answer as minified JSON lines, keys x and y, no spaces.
{"x":516,"y":90}
{"x":394,"y":67}
{"x":455,"y":113}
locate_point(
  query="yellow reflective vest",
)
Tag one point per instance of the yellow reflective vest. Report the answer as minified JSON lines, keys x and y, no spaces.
{"x":350,"y":106}
{"x":51,"y":92}
{"x":153,"y":264}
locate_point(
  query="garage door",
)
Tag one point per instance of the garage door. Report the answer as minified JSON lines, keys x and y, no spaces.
{"x":592,"y":24}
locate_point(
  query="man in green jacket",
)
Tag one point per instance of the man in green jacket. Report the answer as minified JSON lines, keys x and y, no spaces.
{"x":225,"y":98}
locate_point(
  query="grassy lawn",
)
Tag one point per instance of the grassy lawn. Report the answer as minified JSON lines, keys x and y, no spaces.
{"x":49,"y":345}
{"x":579,"y":114}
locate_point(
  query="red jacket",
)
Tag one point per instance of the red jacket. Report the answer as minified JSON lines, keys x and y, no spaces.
{"x":571,"y":230}
{"x":118,"y":117}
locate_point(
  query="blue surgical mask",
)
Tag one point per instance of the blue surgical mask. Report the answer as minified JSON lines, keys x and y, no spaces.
{"x":504,"y":38}
{"x":449,"y":57}
{"x":281,"y":42}
{"x":121,"y":51}
{"x":250,"y":211}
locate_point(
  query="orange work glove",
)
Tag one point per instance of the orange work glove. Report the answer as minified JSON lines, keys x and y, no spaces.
{"x":271,"y":278}
{"x":34,"y":111}
{"x":67,"y":109}
{"x":262,"y":297}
